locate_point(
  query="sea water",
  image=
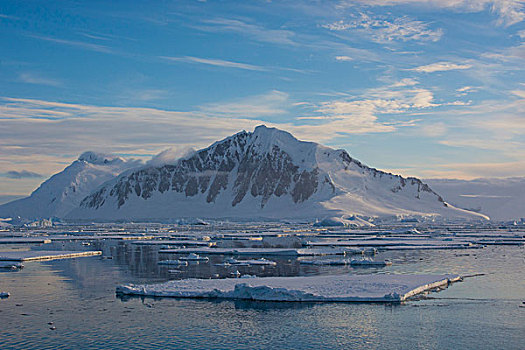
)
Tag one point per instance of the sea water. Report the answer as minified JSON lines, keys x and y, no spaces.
{"x":71,"y":304}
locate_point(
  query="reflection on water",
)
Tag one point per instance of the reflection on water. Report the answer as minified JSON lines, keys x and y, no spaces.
{"x":77,"y":296}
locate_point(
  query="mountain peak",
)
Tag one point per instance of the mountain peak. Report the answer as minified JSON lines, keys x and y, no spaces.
{"x":99,"y":158}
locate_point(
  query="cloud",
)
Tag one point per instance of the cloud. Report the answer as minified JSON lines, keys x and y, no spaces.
{"x":31,"y":78}
{"x":405,"y":82}
{"x":171,"y":155}
{"x":74,"y":43}
{"x":469,"y":171}
{"x":343,"y":58}
{"x":434,"y":129}
{"x":519,"y":93}
{"x":23,"y":174}
{"x":43,"y":135}
{"x":466,"y":89}
{"x":382,"y":30}
{"x":361,"y":114}
{"x":256,"y":32}
{"x":258,"y":106}
{"x":509,"y":12}
{"x":440,"y":67}
{"x":215,"y":62}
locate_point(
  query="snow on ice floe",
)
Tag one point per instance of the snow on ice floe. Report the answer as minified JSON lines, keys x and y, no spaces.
{"x":352,"y":262}
{"x":256,"y":251}
{"x":343,"y":288}
{"x":194,"y":257}
{"x":44,"y":255}
{"x":173,"y":262}
{"x":348,"y":221}
{"x":250,"y":262}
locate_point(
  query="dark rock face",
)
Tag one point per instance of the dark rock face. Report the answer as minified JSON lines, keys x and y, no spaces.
{"x":233,"y":163}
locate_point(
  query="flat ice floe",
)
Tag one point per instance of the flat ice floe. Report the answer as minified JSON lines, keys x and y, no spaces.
{"x":256,"y":251}
{"x":343,"y":288}
{"x":43,"y":255}
{"x":23,"y":240}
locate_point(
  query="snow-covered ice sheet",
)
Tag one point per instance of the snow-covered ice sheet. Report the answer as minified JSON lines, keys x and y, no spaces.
{"x":345,"y":288}
{"x":44,"y":255}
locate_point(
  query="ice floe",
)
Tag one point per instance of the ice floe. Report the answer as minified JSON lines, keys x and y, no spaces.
{"x":44,"y":255}
{"x":260,"y":262}
{"x":173,"y":262}
{"x":194,"y":257}
{"x":23,"y":240}
{"x":344,"y":288}
{"x":10,"y":265}
{"x":352,"y":262}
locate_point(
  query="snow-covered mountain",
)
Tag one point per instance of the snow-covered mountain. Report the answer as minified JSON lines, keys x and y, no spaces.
{"x":64,"y":191}
{"x":501,"y":199}
{"x":264,"y":174}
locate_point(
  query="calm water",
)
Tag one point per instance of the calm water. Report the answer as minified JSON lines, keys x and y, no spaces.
{"x":78,"y":296}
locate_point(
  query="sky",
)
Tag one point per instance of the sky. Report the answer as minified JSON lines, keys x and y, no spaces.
{"x":430,"y":88}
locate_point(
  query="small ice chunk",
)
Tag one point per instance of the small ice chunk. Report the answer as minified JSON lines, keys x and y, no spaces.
{"x":366,"y":262}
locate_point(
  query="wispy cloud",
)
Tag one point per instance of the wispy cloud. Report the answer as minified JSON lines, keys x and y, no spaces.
{"x":344,"y":58}
{"x":74,"y":43}
{"x":23,"y":174}
{"x":382,"y":30}
{"x":32,"y":78}
{"x":259,"y":106}
{"x":441,"y":67}
{"x":254,"y":31}
{"x":214,"y":62}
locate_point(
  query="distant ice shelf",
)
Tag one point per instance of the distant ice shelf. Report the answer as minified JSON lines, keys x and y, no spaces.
{"x":44,"y":255}
{"x":333,"y":288}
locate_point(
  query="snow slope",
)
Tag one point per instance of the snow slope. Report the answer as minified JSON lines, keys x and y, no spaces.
{"x":64,"y":191}
{"x":262,"y":174}
{"x":501,"y":199}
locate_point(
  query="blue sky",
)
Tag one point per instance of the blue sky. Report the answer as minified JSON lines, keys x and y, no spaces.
{"x":432,"y":88}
